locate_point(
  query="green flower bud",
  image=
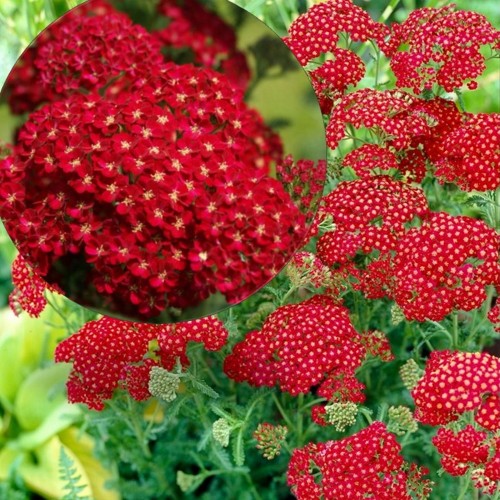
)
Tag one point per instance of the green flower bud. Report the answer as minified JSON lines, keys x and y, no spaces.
{"x":341,"y":415}
{"x":221,"y":430}
{"x":163,"y":384}
{"x":401,"y":420}
{"x":410,"y":374}
{"x":185,"y":481}
{"x":397,"y":315}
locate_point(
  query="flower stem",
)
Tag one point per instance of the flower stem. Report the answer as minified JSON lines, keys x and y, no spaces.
{"x":464,"y":487}
{"x":388,"y":11}
{"x":282,"y":411}
{"x":455,"y":329}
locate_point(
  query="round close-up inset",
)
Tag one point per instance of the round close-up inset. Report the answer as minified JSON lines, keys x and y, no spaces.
{"x":163,"y":163}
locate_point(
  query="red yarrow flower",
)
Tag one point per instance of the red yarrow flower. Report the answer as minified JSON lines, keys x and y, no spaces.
{"x":301,"y":346}
{"x":444,"y":265}
{"x":108,"y":354}
{"x":366,"y":464}
{"x":455,"y":383}
{"x":370,"y":216}
{"x":440,"y":46}
{"x":202,"y":34}
{"x":332,"y":79}
{"x":317,"y":31}
{"x":29,"y":289}
{"x":124,"y":186}
{"x":469,"y":155}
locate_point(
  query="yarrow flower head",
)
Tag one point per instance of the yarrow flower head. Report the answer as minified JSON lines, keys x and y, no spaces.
{"x":401,"y":420}
{"x":332,"y":79}
{"x":371,"y":159}
{"x":468,"y":450}
{"x":83,"y":53}
{"x":341,"y":415}
{"x":441,"y":46}
{"x":269,"y":439}
{"x":410,"y":374}
{"x":108,"y":354}
{"x":143,"y":193}
{"x":388,"y":113}
{"x":369,"y":215}
{"x":221,"y":431}
{"x":459,"y":382}
{"x":25,"y":87}
{"x":366,"y":464}
{"x":163,"y":384}
{"x":298,"y":347}
{"x":469,"y":155}
{"x":444,"y":265}
{"x":317,"y":31}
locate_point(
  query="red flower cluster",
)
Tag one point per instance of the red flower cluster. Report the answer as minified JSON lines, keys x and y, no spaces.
{"x":440,"y":46}
{"x":333,"y":77}
{"x":371,"y":159}
{"x":411,"y":132}
{"x":444,"y":265}
{"x":365,"y":465}
{"x":209,"y":41}
{"x":304,"y":182}
{"x":470,"y":450}
{"x":83,"y":52}
{"x":29,"y":289}
{"x":469,"y":155}
{"x":369,"y":215}
{"x":109,"y":353}
{"x":299,"y":346}
{"x":458,"y":382}
{"x":317,"y":31}
{"x":97,"y":47}
{"x":127,"y":187}
{"x":398,"y":118}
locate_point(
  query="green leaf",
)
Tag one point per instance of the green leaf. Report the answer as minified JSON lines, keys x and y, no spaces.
{"x":59,"y":419}
{"x":40,"y":394}
{"x":238,"y":448}
{"x":201,"y":386}
{"x":71,"y":478}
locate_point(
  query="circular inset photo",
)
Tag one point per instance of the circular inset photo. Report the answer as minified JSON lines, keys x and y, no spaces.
{"x":162,"y":163}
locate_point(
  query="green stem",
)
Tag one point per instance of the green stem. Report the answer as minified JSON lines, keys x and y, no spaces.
{"x":300,"y":419}
{"x":367,"y":414}
{"x":282,"y":411}
{"x":455,"y":329}
{"x":288,"y":294}
{"x":388,"y":11}
{"x":460,"y":100}
{"x":464,"y":487}
{"x":497,"y":494}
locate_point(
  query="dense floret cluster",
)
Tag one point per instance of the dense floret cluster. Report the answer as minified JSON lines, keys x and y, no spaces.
{"x":455,"y":383}
{"x":29,"y":289}
{"x":126,"y":186}
{"x":108,"y":353}
{"x":442,"y":46}
{"x":307,"y":41}
{"x":445,"y":265}
{"x":366,"y":464}
{"x":96,"y":47}
{"x":298,"y":347}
